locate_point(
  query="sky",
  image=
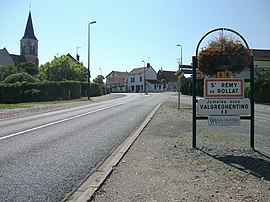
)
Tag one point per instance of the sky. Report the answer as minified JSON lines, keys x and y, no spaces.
{"x":130,"y":31}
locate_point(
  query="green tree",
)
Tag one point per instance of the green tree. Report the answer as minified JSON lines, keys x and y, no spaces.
{"x":29,"y":67}
{"x":62,"y":68}
{"x":6,"y":71}
{"x":20,"y":77}
{"x":99,"y":79}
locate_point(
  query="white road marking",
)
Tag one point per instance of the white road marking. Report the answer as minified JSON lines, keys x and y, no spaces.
{"x":60,"y":121}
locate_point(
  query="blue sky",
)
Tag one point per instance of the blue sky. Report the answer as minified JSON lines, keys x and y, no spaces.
{"x":129,"y":31}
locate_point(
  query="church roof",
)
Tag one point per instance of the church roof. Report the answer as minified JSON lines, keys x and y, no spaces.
{"x":18,"y":58}
{"x":29,"y":31}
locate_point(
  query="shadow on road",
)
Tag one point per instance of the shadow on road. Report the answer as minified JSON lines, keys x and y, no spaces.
{"x":256,"y":164}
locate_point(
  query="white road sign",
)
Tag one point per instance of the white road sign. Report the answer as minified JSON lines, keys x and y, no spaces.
{"x":224,"y":88}
{"x":223,"y":106}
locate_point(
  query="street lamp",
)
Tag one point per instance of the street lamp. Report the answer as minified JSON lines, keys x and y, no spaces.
{"x":144,"y":76}
{"x":88,"y":79}
{"x":181,"y":57}
{"x":179,"y":84}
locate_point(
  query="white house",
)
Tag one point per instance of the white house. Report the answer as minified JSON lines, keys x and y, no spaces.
{"x":143,"y":79}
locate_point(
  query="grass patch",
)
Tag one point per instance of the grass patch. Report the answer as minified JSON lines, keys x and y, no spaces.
{"x":216,"y":137}
{"x":174,"y":105}
{"x":14,"y":106}
{"x":61,"y":101}
{"x":234,"y":176}
{"x":28,"y":104}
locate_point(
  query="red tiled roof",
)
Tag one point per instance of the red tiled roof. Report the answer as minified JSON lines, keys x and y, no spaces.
{"x":153,"y":81}
{"x":139,"y":70}
{"x":168,"y":76}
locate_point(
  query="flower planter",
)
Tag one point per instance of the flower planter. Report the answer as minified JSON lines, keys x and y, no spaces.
{"x":223,"y":62}
{"x":223,"y":55}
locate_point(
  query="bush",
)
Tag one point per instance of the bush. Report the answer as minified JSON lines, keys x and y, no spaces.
{"x":40,"y":91}
{"x":6,"y":71}
{"x":186,"y":86}
{"x":29,"y":67}
{"x":262,"y":87}
{"x":94,"y":89}
{"x":20,"y":77}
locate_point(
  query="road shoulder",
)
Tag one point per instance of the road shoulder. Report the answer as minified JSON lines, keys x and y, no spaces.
{"x":162,"y":166}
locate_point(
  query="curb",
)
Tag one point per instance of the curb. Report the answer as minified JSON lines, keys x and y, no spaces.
{"x":88,"y":189}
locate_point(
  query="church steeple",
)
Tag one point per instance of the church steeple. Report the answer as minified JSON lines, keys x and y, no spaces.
{"x":29,"y":31}
{"x":29,"y":43}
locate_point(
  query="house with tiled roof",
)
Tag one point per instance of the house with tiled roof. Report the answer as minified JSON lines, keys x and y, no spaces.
{"x":261,"y":60}
{"x":117,"y":82}
{"x":143,"y":79}
{"x":28,"y":48}
{"x":168,"y":79}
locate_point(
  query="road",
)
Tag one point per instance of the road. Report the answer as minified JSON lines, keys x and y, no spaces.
{"x":44,"y":157}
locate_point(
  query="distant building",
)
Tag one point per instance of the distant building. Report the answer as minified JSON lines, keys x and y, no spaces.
{"x":28,"y":48}
{"x":168,"y":80}
{"x":143,"y":79}
{"x":117,"y":82}
{"x":261,"y":60}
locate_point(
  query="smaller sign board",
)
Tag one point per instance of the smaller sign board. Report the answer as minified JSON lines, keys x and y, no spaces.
{"x":224,"y":88}
{"x":179,"y":73}
{"x":223,"y":106}
{"x":224,"y":120}
{"x":224,"y":74}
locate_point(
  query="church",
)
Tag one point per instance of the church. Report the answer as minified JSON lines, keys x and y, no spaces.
{"x":28,"y":48}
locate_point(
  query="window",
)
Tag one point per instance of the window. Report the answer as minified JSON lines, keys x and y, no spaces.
{"x":132,"y":80}
{"x":32,"y":48}
{"x":140,"y":78}
{"x":23,"y":48}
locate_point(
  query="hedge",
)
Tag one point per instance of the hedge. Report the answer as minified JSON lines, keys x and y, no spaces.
{"x":40,"y":91}
{"x":94,"y":89}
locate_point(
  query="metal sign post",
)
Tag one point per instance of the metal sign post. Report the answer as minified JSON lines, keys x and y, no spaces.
{"x":179,"y":74}
{"x":223,"y":88}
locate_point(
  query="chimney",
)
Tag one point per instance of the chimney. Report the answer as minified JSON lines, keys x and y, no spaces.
{"x":78,"y":57}
{"x":148,"y":65}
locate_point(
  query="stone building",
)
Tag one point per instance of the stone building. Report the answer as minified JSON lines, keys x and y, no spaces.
{"x":28,"y":48}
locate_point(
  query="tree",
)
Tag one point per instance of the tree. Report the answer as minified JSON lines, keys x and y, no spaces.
{"x":20,"y":77}
{"x":99,"y":79}
{"x":29,"y":67}
{"x":62,"y":68}
{"x":6,"y":71}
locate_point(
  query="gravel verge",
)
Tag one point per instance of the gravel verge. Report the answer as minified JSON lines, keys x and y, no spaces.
{"x":162,"y":166}
{"x":42,"y":108}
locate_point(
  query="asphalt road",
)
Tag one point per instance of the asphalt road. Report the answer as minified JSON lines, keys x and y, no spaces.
{"x":44,"y":157}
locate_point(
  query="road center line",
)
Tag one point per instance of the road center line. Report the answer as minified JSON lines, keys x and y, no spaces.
{"x":60,"y":121}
